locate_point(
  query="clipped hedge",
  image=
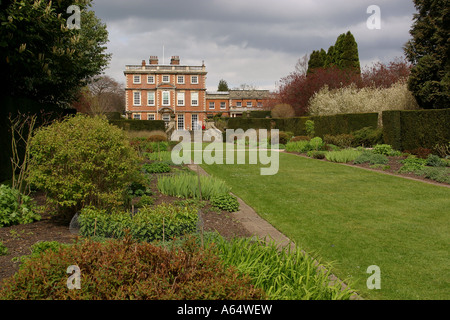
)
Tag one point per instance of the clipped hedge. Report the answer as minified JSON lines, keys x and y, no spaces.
{"x":260,"y":114}
{"x":139,"y":125}
{"x":149,"y":224}
{"x":412,"y":129}
{"x":334,"y":125}
{"x":249,"y":123}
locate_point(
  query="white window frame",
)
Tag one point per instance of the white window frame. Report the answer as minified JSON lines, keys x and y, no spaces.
{"x":213,"y":104}
{"x":149,"y":101}
{"x":223,"y":105}
{"x":151,"y":115}
{"x":168,"y":99}
{"x":249,"y":104}
{"x":259,"y":104}
{"x":194,"y":94}
{"x":165,"y":117}
{"x":138,"y":77}
{"x":196,"y":80}
{"x":137,"y":98}
{"x":182,"y":79}
{"x":136,"y":116}
{"x":195,"y":124}
{"x":180,"y":99}
{"x":168,"y":78}
{"x":151,"y":79}
{"x":180,"y":119}
{"x":238,"y":104}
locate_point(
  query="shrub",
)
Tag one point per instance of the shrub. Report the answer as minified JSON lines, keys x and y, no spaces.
{"x":309,"y":124}
{"x":299,"y":146}
{"x":435,"y":161}
{"x":187,"y":186}
{"x":138,"y":189}
{"x":316,"y":154}
{"x":83,"y":161}
{"x":371,"y":158}
{"x":164,"y":221}
{"x":145,"y":200}
{"x":225,"y":202}
{"x":342,"y":156}
{"x":316,"y":143}
{"x":11,"y":211}
{"x":129,"y":270}
{"x":156,"y":167}
{"x":436,"y":173}
{"x":283,"y":137}
{"x":413,"y":164}
{"x":367,"y":137}
{"x":343,"y":140}
{"x":383,"y":149}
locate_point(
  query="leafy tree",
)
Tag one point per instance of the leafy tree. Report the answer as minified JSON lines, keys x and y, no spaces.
{"x":41,"y":57}
{"x":223,"y":86}
{"x":429,"y":52}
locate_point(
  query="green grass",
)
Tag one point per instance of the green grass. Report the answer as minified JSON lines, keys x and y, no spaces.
{"x":355,"y":218}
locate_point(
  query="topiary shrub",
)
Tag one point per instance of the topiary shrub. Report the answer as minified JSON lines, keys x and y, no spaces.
{"x":83,"y":161}
{"x":129,"y":270}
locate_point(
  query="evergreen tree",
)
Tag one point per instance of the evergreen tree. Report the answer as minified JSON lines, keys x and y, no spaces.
{"x":349,"y":57}
{"x":429,"y":52}
{"x":316,"y":60}
{"x":223,"y":86}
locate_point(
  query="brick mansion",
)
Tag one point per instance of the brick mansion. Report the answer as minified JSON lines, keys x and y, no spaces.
{"x":162,"y":92}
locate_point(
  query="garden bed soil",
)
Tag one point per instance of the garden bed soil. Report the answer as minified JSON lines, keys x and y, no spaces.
{"x":19,"y":238}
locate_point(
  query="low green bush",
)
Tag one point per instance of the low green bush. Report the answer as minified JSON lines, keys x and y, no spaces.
{"x":435,"y":161}
{"x":301,"y":146}
{"x":413,"y":164}
{"x":371,"y":158}
{"x":316,"y":143}
{"x":225,"y":202}
{"x":156,"y":167}
{"x":437,"y":174}
{"x":145,"y":200}
{"x":341,"y":140}
{"x":12,"y":212}
{"x":367,"y":137}
{"x":129,"y":270}
{"x":164,"y":221}
{"x":316,"y":154}
{"x":342,"y":156}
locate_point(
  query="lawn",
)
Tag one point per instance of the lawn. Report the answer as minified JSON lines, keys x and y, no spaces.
{"x":355,"y":218}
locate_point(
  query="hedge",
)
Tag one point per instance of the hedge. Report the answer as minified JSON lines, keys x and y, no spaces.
{"x":260,"y":114}
{"x":139,"y":125}
{"x":412,"y":129}
{"x":336,"y":124}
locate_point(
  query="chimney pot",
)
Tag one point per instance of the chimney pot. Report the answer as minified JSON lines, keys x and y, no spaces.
{"x":175,"y":60}
{"x":153,"y":60}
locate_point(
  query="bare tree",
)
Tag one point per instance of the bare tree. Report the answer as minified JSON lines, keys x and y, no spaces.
{"x":301,"y":67}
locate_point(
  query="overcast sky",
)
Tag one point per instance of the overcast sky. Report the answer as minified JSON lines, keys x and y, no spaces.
{"x":256,"y":42}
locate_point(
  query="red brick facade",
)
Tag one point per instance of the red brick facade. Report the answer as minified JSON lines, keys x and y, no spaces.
{"x":162,"y":92}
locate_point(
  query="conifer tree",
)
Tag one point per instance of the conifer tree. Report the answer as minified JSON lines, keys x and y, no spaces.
{"x":429,"y":52}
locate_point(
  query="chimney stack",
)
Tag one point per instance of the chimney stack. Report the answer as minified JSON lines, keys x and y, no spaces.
{"x":143,"y":63}
{"x":175,"y":60}
{"x":153,"y":60}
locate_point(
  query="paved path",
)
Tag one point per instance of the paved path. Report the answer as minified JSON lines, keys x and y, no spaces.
{"x":259,"y":227}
